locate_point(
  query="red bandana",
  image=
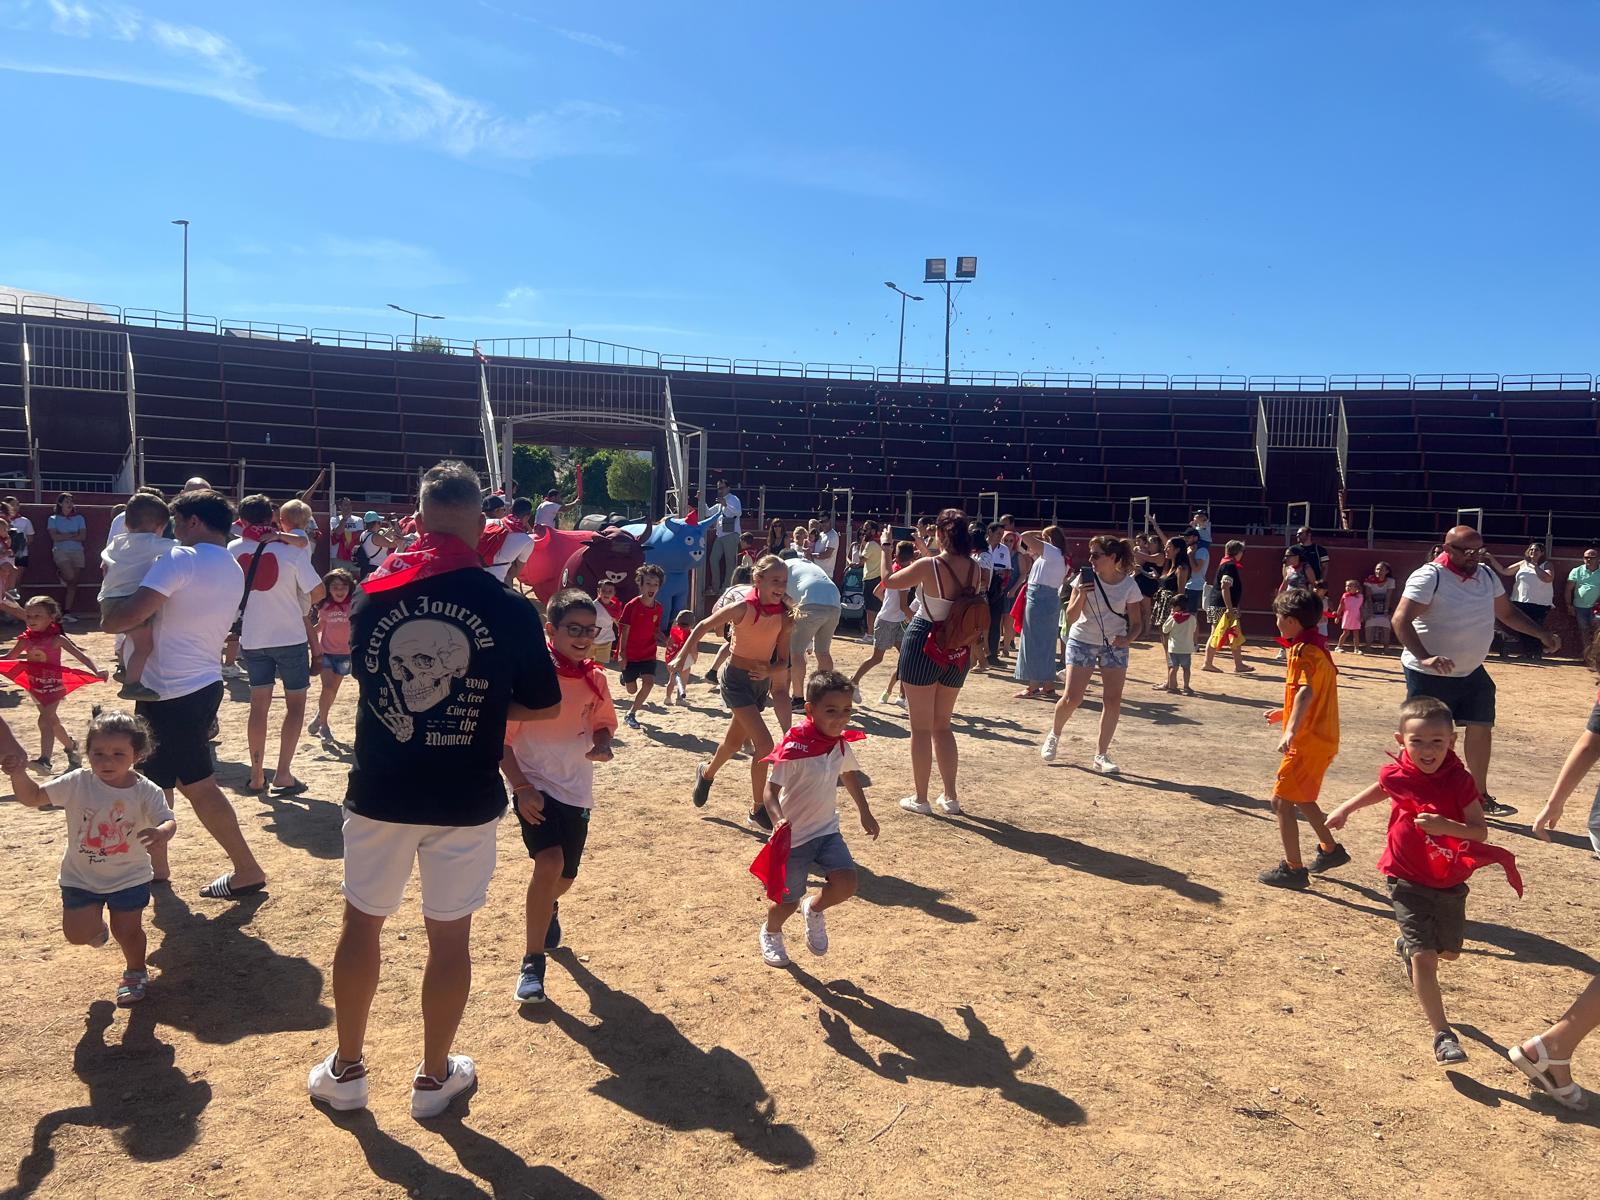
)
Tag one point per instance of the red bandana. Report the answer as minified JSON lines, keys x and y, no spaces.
{"x":1434,"y":859}
{"x":515,"y":524}
{"x":52,"y":630}
{"x":431,"y":554}
{"x":588,"y":670}
{"x":945,"y":658}
{"x":491,"y":539}
{"x":46,"y":682}
{"x":771,"y":864}
{"x":1376,"y":580}
{"x":753,"y":599}
{"x":1444,"y":561}
{"x":1179,"y":618}
{"x":328,"y":602}
{"x":1307,"y":637}
{"x":805,"y":740}
{"x":256,"y":533}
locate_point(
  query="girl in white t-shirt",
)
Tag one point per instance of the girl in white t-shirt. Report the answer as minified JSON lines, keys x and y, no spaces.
{"x":114,"y":817}
{"x":1103,"y":617}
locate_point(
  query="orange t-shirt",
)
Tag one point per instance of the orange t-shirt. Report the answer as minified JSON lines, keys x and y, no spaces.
{"x":1310,"y":666}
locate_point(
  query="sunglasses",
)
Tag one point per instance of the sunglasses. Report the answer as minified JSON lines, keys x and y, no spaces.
{"x":581,"y":631}
{"x":1464,"y":551}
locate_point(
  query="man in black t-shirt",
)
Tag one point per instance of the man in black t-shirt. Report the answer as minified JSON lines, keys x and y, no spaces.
{"x":1313,"y":558}
{"x":443,"y":654}
{"x":1230,"y":590}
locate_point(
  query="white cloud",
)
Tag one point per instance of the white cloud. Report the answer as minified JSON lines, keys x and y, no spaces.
{"x":520,"y":296}
{"x":595,"y":41}
{"x":389,"y":102}
{"x":389,"y":49}
{"x":1545,"y":75}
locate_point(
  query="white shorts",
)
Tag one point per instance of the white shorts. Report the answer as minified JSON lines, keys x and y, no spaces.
{"x":456,"y":864}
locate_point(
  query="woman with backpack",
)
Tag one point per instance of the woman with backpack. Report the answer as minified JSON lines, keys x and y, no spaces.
{"x":937,"y":651}
{"x":1104,"y":616}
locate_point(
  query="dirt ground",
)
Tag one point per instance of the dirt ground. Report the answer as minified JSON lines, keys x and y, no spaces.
{"x":1078,"y":989}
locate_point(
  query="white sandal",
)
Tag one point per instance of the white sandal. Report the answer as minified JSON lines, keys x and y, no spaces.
{"x":1572,"y":1096}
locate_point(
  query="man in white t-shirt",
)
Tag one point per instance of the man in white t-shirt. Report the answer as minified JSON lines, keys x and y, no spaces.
{"x":550,"y":509}
{"x":725,"y":549}
{"x":507,"y":542}
{"x":273,"y":638}
{"x":193,"y":593}
{"x":825,"y":546}
{"x":1445,"y":625}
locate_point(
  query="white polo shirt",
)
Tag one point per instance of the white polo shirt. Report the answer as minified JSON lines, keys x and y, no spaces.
{"x":1459,"y":623}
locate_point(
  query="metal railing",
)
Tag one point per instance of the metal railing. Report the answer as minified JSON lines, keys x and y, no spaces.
{"x":1262,"y":435}
{"x":575,"y":349}
{"x":1342,"y":446}
{"x":1297,"y":422}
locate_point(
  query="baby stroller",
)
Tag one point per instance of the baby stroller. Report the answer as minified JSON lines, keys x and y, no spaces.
{"x":852,"y":598}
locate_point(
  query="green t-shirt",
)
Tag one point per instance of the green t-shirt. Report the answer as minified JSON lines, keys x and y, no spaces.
{"x":1587,"y":593}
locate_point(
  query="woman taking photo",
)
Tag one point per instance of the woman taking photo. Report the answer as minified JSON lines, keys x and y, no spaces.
{"x":1106,"y":617}
{"x":67,"y":529}
{"x":1533,"y":591}
{"x":930,"y":676}
{"x":1041,"y":616}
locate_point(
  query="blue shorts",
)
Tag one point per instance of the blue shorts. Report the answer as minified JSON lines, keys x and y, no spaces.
{"x":339,"y":664}
{"x":129,"y":899}
{"x":827,"y":853}
{"x":1087,"y":654}
{"x":292,"y":664}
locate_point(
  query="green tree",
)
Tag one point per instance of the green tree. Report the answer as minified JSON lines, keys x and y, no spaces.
{"x":593,"y":464}
{"x":628,"y":478}
{"x":534,"y":469}
{"x":427,"y":343}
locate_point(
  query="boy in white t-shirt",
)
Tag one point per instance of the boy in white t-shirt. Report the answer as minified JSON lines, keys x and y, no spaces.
{"x":114,"y":817}
{"x":890,"y":626}
{"x":550,"y":767}
{"x":808,"y":766}
{"x":124,"y":563}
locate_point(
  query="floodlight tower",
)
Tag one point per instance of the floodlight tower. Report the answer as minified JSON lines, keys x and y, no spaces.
{"x":934,"y":272}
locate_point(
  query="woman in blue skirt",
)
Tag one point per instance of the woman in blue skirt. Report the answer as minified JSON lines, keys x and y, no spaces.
{"x":1041,"y":617}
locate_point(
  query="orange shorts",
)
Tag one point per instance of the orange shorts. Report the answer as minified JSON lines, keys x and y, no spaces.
{"x":1300,"y":777}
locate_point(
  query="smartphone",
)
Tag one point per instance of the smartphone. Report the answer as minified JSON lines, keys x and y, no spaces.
{"x":1085,"y":575}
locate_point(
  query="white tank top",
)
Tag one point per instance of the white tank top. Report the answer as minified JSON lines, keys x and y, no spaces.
{"x":937,"y":608}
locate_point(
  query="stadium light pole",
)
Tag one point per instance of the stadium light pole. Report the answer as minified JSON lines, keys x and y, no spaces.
{"x":900,"y":358}
{"x":185,"y":224}
{"x":934,"y":272}
{"x":415,"y":317}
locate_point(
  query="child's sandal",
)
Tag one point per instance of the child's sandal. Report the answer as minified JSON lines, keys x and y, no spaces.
{"x":131,"y":989}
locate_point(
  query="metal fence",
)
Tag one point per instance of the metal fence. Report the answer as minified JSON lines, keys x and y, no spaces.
{"x":575,"y":349}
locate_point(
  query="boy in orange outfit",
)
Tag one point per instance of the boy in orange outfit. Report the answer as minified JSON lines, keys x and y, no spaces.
{"x":1310,"y":720}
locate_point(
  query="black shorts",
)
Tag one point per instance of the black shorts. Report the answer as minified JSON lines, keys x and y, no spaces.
{"x":564,"y":825}
{"x":645,"y":667}
{"x":871,"y":598}
{"x":1430,"y":918}
{"x":182,"y":732}
{"x":1593,"y":723}
{"x":1470,"y":697}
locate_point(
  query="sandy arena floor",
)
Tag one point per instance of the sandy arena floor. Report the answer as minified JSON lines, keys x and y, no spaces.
{"x":1078,"y":989}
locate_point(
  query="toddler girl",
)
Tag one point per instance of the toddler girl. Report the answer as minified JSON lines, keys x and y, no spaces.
{"x":607,"y":611}
{"x":34,"y":663}
{"x":330,"y":643}
{"x":114,"y":816}
{"x":680,"y":666}
{"x":1350,"y":606}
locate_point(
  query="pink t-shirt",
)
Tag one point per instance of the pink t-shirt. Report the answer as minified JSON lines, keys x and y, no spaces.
{"x":552,"y":754}
{"x":333,"y":628}
{"x":1350,"y":610}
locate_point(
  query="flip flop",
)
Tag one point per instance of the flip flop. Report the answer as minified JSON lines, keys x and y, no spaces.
{"x":293,"y":789}
{"x":221,"y":888}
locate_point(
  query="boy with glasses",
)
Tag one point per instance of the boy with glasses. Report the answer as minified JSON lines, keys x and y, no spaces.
{"x":550,"y":767}
{"x":1583,"y":594}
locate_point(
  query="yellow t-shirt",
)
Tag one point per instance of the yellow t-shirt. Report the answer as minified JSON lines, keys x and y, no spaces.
{"x":871,"y":561}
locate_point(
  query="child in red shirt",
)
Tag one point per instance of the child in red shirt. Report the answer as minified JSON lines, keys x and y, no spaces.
{"x":639,"y":637}
{"x":1436,"y":840}
{"x":679,"y":670}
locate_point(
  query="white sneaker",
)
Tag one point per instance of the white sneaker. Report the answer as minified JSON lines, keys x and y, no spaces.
{"x":434,"y":1096}
{"x":912,"y":804}
{"x":345,"y":1091}
{"x":816,"y":928}
{"x":899,"y":700}
{"x":1105,"y":766}
{"x":949,"y":807}
{"x":1048,"y":750}
{"x":883,"y":698}
{"x":772,"y":951}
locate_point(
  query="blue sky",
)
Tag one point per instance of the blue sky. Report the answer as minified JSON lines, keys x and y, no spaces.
{"x":1156,"y":187}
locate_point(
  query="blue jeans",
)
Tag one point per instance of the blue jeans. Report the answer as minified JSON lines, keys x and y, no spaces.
{"x":292,"y":664}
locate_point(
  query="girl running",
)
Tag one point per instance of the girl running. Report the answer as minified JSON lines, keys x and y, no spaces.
{"x":34,"y":663}
{"x":759,"y":658}
{"x":738,"y":585}
{"x":330,"y":643}
{"x":890,"y":627}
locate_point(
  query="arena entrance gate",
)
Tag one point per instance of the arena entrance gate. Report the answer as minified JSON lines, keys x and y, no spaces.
{"x":88,"y":363}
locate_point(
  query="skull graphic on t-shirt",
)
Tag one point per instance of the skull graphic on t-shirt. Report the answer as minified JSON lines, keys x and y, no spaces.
{"x":425,"y":659}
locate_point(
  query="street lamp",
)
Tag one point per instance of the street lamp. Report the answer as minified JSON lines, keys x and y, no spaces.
{"x":904,"y":296}
{"x":185,"y":224}
{"x":934,"y":272}
{"x":415,"y":316}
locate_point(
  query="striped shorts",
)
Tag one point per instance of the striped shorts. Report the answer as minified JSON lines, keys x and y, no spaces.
{"x":919,"y":670}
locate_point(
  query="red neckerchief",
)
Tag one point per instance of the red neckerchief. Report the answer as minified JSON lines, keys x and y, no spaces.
{"x":1179,"y":618}
{"x":52,"y":630}
{"x":753,"y":599}
{"x":1444,"y":561}
{"x":612,"y":606}
{"x":328,"y":602}
{"x":771,"y":863}
{"x":1376,"y":580}
{"x":805,"y":740}
{"x":1307,"y":637}
{"x":1226,"y":559}
{"x":492,"y":538}
{"x":256,"y":533}
{"x":588,"y":670}
{"x":431,"y":554}
{"x":515,"y":524}
{"x":1446,"y":860}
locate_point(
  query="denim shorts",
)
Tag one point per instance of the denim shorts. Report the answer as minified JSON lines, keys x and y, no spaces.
{"x":1179,"y":659}
{"x":339,"y":664}
{"x":128,"y":899}
{"x":826,"y":853}
{"x":292,"y":664}
{"x":1086,"y":654}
